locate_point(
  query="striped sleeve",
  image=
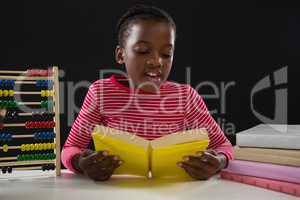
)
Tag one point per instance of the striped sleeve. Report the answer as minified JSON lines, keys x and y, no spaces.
{"x":198,"y":116}
{"x":80,"y":134}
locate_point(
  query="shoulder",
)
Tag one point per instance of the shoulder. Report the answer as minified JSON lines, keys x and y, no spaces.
{"x":101,"y":83}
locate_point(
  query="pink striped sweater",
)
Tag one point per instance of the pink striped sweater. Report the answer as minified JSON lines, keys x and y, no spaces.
{"x":176,"y":107}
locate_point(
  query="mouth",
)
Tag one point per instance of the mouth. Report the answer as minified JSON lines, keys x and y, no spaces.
{"x":154,"y":76}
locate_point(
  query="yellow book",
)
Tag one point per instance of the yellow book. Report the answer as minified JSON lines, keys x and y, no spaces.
{"x":155,"y":158}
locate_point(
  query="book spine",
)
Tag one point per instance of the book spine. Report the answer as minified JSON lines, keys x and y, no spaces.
{"x":266,"y":157}
{"x":279,"y":186}
{"x":264,"y":170}
{"x":268,"y":141}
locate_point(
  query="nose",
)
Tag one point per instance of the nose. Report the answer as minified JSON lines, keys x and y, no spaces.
{"x":155,"y":61}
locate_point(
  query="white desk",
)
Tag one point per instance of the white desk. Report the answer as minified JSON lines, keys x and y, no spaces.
{"x":72,"y":187}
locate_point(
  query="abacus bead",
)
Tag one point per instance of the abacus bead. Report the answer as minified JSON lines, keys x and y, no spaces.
{"x":5,"y":148}
{"x":43,"y":93}
{"x":11,"y":93}
{"x":23,"y":147}
{"x":30,"y":156}
{"x":27,"y":124}
{"x":42,"y":83}
{"x":27,"y":147}
{"x":41,"y":136}
{"x":1,"y":93}
{"x":49,"y":83}
{"x":35,"y":124}
{"x":43,"y":73}
{"x":6,"y":83}
{"x":49,"y":124}
{"x":10,"y":104}
{"x":48,"y":146}
{"x":5,"y":104}
{"x":49,"y":136}
{"x":38,"y":83}
{"x":4,"y":170}
{"x":9,"y":137}
{"x":5,"y":93}
{"x":36,"y":147}
{"x":3,"y":137}
{"x":35,"y":136}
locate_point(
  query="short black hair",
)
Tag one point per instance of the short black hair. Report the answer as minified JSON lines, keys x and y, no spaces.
{"x":140,"y":12}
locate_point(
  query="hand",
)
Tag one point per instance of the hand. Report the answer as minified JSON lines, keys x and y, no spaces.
{"x":204,"y":164}
{"x":98,"y":166}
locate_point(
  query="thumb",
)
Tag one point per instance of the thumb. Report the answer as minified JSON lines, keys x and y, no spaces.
{"x":86,"y":152}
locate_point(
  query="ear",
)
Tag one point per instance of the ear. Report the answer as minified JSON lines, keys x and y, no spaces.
{"x":119,"y":54}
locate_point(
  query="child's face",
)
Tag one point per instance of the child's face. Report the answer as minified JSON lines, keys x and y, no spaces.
{"x":148,"y":53}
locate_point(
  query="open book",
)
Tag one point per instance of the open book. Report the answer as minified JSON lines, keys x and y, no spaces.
{"x":155,"y":158}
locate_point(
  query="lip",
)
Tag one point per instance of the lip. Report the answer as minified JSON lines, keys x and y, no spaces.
{"x":157,"y":78}
{"x":155,"y":73}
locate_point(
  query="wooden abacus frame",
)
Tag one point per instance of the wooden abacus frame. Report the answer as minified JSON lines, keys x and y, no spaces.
{"x":21,"y":78}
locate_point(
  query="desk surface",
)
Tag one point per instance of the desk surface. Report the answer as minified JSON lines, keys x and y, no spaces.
{"x":33,"y":185}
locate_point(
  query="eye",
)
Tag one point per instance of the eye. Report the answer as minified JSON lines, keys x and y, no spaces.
{"x":142,"y":52}
{"x":166,"y":55}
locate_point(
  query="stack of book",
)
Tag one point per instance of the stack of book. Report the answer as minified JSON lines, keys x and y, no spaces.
{"x":267,"y":156}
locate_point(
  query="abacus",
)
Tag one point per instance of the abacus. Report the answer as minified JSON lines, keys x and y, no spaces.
{"x":30,"y":134}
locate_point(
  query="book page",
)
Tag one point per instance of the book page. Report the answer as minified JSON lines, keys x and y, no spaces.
{"x":180,"y":137}
{"x":134,"y":152}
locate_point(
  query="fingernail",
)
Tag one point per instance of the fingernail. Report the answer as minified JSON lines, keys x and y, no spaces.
{"x":186,"y":158}
{"x":204,"y":159}
{"x":199,"y":153}
{"x":120,"y":162}
{"x":105,"y":153}
{"x":116,"y":158}
{"x":179,"y":164}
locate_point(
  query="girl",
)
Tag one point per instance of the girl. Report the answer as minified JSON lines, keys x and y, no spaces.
{"x":144,"y":103}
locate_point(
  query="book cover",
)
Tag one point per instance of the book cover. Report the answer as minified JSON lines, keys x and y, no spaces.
{"x":155,"y":158}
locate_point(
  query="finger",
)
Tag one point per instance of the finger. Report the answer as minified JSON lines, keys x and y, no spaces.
{"x":211,"y":151}
{"x":100,"y":173}
{"x":210,"y":158}
{"x":194,"y":173}
{"x":92,"y":158}
{"x":104,"y":177}
{"x":86,"y":152}
{"x":197,"y":162}
{"x":109,"y":162}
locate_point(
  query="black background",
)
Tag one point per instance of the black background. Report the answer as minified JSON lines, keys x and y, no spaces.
{"x":240,"y":42}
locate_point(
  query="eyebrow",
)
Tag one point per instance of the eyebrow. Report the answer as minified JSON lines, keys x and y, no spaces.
{"x":146,"y":42}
